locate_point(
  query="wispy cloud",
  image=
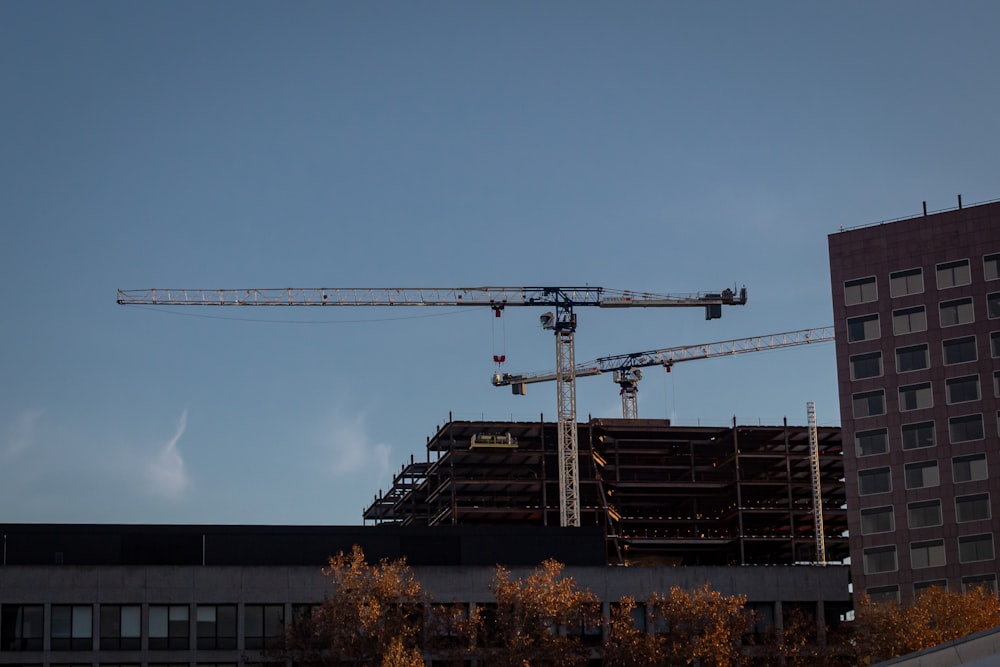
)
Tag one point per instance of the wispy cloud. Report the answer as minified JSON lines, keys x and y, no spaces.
{"x":166,"y":471}
{"x":351,"y":449}
{"x":21,"y":434}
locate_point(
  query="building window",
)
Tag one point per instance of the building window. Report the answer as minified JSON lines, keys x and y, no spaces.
{"x":883,"y":594}
{"x":169,"y":627}
{"x":991,"y":267}
{"x":216,"y":626}
{"x":987,"y":581}
{"x":877,"y":520}
{"x":969,"y":468}
{"x":927,"y":554}
{"x":993,"y":305}
{"x":958,"y":311}
{"x":909,"y":320}
{"x":869,"y":403}
{"x":871,"y":442}
{"x":72,"y":627}
{"x":880,"y":559}
{"x":862,"y":328}
{"x":923,"y":514}
{"x":953,"y":274}
{"x":972,"y":508}
{"x":862,"y":290}
{"x":995,"y":344}
{"x":120,"y":627}
{"x":963,"y":389}
{"x":918,"y":435}
{"x":965,"y":428}
{"x":866,"y":365}
{"x":912,"y":358}
{"x":921,"y":474}
{"x":906,"y":282}
{"x":915,"y":397}
{"x":874,"y":480}
{"x":21,"y":627}
{"x":921,"y":586}
{"x":959,"y":350}
{"x":263,"y":625}
{"x":973,"y":548}
{"x":996,"y":383}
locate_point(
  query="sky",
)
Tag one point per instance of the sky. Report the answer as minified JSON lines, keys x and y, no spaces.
{"x":669,"y":147}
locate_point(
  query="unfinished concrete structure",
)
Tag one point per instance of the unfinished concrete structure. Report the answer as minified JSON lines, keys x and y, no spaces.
{"x":663,"y":494}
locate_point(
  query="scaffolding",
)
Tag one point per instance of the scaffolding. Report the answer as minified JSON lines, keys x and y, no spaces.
{"x":663,"y":494}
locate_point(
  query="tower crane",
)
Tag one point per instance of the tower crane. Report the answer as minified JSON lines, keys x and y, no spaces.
{"x":625,"y":368}
{"x":562,"y":322}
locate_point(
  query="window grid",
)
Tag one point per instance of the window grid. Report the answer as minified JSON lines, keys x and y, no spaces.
{"x":972,"y":508}
{"x":969,"y":468}
{"x":880,"y":559}
{"x":865,"y":327}
{"x":927,"y":554}
{"x":991,"y":267}
{"x":956,"y":312}
{"x":909,"y":281}
{"x":923,"y":513}
{"x":953,"y":274}
{"x":962,"y":389}
{"x":869,"y":403}
{"x":965,"y":428}
{"x":959,"y":350}
{"x":912,"y":358}
{"x":918,"y":435}
{"x":909,"y":320}
{"x":877,"y":520}
{"x":872,"y":442}
{"x":915,"y":397}
{"x":972,"y":548}
{"x":868,"y":365}
{"x":862,"y":290}
{"x":921,"y":474}
{"x":874,"y":480}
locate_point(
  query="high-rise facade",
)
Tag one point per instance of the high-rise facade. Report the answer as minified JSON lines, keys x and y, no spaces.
{"x":916,"y":306}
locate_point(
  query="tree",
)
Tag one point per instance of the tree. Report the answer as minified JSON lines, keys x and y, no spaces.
{"x":374,"y":615}
{"x":537,"y":620}
{"x":883,"y":630}
{"x":702,"y":625}
{"x":627,"y":645}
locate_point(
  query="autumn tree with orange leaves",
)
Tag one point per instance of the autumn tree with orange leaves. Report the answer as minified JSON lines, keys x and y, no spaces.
{"x":883,"y":630}
{"x":373,"y":615}
{"x":537,"y":620}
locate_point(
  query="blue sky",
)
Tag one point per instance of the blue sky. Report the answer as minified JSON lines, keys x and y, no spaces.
{"x":668,"y":147}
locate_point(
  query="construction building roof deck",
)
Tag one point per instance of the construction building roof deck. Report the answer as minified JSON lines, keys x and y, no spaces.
{"x":662,"y":494}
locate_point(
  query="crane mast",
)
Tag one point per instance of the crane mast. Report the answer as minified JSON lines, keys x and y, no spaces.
{"x":625,"y":368}
{"x":562,"y":322}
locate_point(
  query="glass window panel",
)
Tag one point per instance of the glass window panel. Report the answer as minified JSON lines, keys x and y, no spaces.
{"x":880,"y":559}
{"x":972,"y":508}
{"x":960,"y":390}
{"x":993,"y":305}
{"x":876,"y":520}
{"x":869,"y":403}
{"x":959,"y":311}
{"x":867,"y":365}
{"x":862,"y":290}
{"x":923,"y":513}
{"x":875,"y":480}
{"x":884,"y":593}
{"x":927,"y":554}
{"x":969,"y":468}
{"x":988,"y":581}
{"x":968,"y":427}
{"x":975,"y":548}
{"x":909,"y":320}
{"x":995,"y":344}
{"x":915,"y":396}
{"x":953,"y":274}
{"x":959,"y":350}
{"x":918,"y":435}
{"x":912,"y":358}
{"x":872,"y":442}
{"x":991,"y":267}
{"x":862,"y":328}
{"x":21,"y":627}
{"x":906,"y":282}
{"x":921,"y":474}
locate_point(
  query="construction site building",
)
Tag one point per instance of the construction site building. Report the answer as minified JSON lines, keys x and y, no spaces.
{"x":662,"y":494}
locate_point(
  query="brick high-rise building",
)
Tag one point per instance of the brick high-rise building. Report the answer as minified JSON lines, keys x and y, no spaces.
{"x":916,"y":305}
